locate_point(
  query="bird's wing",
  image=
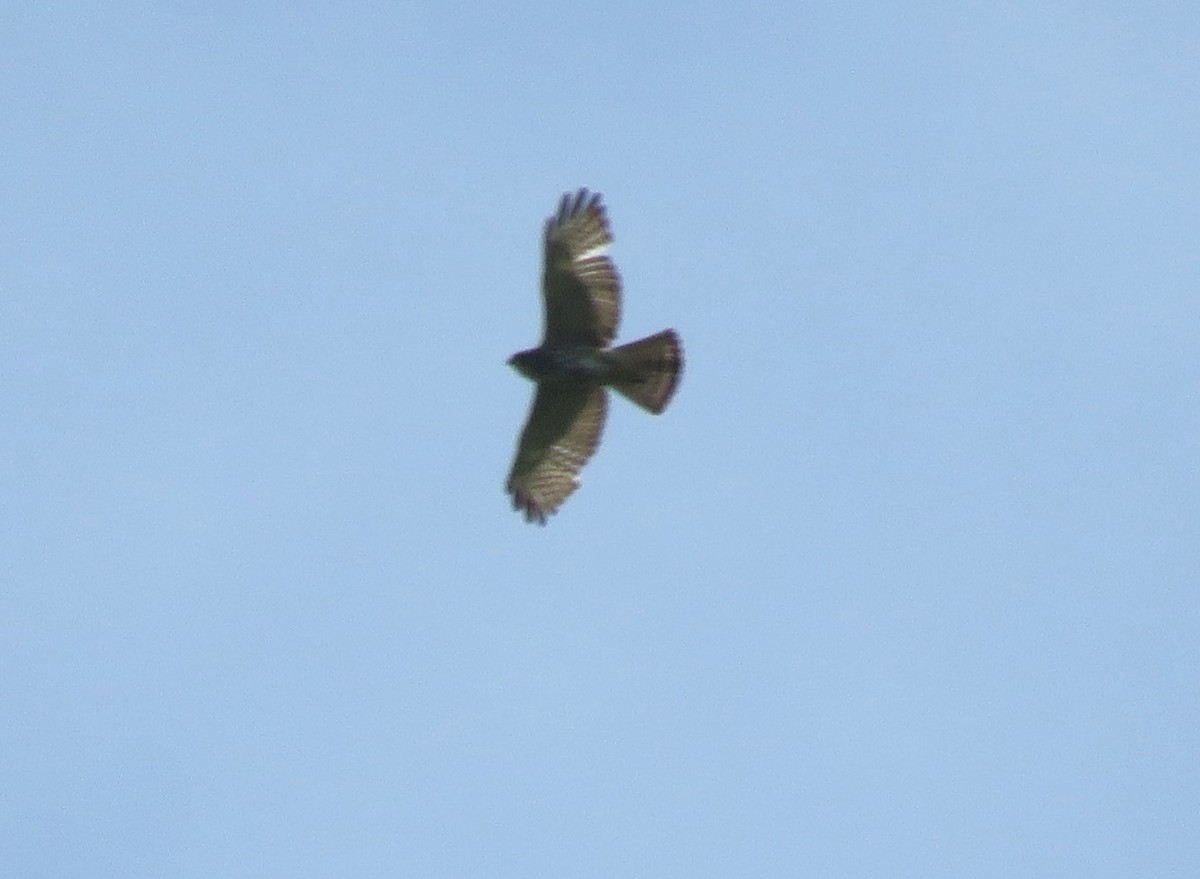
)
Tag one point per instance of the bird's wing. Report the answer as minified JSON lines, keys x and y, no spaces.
{"x":560,"y":436}
{"x":581,"y":287}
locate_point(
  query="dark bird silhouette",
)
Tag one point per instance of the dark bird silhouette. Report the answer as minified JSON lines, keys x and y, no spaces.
{"x":575,"y":364}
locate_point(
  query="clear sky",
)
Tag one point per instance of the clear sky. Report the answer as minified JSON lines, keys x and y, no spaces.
{"x":903,"y":584}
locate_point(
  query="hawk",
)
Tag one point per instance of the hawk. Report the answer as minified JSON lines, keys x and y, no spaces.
{"x":575,"y":364}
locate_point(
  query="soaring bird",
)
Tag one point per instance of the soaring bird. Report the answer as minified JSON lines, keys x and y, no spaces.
{"x":575,"y":362}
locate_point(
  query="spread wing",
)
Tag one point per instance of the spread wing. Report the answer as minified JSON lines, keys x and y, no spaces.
{"x":581,"y":287}
{"x":560,"y":436}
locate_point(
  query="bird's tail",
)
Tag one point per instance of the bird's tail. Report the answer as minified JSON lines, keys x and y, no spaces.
{"x":648,"y":370}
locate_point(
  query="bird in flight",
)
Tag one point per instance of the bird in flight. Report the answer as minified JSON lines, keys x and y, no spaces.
{"x":575,"y":362}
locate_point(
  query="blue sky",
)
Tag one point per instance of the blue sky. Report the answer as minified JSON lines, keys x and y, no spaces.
{"x":904,"y":583}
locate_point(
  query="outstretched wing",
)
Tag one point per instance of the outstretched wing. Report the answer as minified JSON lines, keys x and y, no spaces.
{"x":581,"y":287}
{"x":560,"y":436}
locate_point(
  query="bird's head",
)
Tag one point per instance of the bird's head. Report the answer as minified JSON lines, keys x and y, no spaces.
{"x":523,"y":362}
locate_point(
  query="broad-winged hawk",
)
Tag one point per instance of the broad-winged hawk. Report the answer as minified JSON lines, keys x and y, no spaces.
{"x":575,"y":363}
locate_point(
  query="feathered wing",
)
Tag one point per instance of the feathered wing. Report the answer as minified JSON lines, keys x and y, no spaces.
{"x":647,"y":371}
{"x":560,"y":436}
{"x":580,"y":285}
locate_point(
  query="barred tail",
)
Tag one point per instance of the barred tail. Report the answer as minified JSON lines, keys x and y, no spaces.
{"x":648,"y":370}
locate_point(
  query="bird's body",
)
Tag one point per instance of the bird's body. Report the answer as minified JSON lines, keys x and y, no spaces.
{"x":565,"y":365}
{"x":575,"y":362}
